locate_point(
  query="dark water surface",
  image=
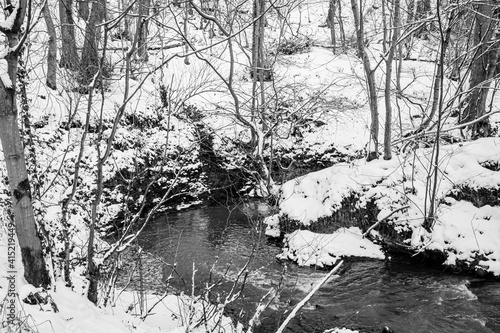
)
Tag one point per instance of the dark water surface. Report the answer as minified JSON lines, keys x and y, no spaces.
{"x":366,"y":295}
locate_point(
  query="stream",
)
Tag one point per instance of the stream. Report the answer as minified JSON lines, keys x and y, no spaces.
{"x":366,"y":295}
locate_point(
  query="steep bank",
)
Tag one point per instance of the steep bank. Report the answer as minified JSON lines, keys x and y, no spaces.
{"x":467,"y":225}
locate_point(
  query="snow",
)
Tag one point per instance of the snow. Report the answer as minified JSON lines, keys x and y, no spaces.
{"x":340,"y":330}
{"x":9,"y":21}
{"x":462,"y":231}
{"x":308,"y":248}
{"x":333,"y":84}
{"x":76,"y":314}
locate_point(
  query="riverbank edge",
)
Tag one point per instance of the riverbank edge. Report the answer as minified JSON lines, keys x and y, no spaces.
{"x":359,"y":194}
{"x":390,"y":240}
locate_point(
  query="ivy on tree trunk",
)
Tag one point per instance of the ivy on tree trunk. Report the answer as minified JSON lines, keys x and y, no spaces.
{"x":35,"y":270}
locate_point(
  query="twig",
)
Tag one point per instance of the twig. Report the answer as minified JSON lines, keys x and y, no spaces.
{"x":385,"y":218}
{"x":304,"y":301}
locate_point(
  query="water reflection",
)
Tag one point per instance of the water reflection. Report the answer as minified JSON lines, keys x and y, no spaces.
{"x":366,"y":296}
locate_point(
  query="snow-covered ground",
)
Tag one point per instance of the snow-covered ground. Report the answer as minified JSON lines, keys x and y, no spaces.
{"x":462,"y":231}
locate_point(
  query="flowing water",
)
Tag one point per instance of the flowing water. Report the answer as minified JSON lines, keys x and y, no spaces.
{"x":366,"y":295}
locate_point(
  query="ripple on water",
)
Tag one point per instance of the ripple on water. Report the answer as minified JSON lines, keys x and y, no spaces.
{"x":368,"y":294}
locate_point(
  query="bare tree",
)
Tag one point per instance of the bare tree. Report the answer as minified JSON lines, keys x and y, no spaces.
{"x":357,"y":12}
{"x":69,"y":55}
{"x":83,"y":9}
{"x":52,"y":52}
{"x":142,"y":26}
{"x":90,"y":59}
{"x":35,"y":271}
{"x":388,"y":82}
{"x":432,"y":183}
{"x":483,"y":66}
{"x":330,"y":22}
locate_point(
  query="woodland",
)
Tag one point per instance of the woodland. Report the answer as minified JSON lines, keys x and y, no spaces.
{"x":369,"y":128}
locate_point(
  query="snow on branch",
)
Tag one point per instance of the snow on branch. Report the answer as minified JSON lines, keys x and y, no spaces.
{"x":7,"y":24}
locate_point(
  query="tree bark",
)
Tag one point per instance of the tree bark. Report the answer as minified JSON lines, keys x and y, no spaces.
{"x":483,"y":66}
{"x":89,"y":64}
{"x":69,"y":56}
{"x":437,"y":91}
{"x":142,"y":25}
{"x":370,"y":81}
{"x":341,"y":26}
{"x":52,"y":52}
{"x":422,"y":10}
{"x":35,"y":270}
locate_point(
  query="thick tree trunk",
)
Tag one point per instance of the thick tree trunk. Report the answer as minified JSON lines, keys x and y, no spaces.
{"x":370,"y":82}
{"x":69,"y":56}
{"x":35,"y":271}
{"x":89,"y":64}
{"x":83,"y":9}
{"x":52,"y":53}
{"x":483,"y":66}
{"x":330,"y":22}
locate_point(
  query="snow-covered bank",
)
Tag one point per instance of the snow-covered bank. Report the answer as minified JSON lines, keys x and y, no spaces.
{"x":467,"y":224}
{"x":71,"y":312}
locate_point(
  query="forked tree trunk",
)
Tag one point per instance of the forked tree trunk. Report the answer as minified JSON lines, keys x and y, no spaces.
{"x":35,"y":271}
{"x":69,"y":56}
{"x":52,"y":52}
{"x":370,"y":81}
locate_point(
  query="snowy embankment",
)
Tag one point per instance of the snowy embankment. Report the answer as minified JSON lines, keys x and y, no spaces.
{"x":467,"y":226}
{"x":308,"y":248}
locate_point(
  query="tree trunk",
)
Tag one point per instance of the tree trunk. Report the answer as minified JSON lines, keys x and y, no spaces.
{"x":388,"y":81}
{"x":385,"y":33}
{"x":437,"y":91}
{"x":69,"y":56}
{"x":83,"y":9}
{"x":35,"y":271}
{"x":330,"y":22}
{"x":483,"y":66}
{"x":90,"y":58}
{"x":370,"y":81}
{"x":142,"y":25}
{"x":341,"y":26}
{"x":52,"y":53}
{"x":422,"y":10}
{"x":410,"y":12}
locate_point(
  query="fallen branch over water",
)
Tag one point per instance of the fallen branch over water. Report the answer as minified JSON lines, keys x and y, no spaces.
{"x":385,"y":218}
{"x":304,"y":301}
